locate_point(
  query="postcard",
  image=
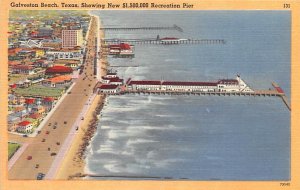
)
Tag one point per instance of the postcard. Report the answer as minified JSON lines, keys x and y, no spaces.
{"x":149,"y":95}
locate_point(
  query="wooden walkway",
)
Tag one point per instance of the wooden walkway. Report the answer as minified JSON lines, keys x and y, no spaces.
{"x":174,"y":27}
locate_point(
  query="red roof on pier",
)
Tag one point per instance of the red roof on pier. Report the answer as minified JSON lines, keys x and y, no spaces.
{"x":108,"y":86}
{"x":228,"y":81}
{"x":122,"y":46}
{"x":144,"y":82}
{"x":178,"y":83}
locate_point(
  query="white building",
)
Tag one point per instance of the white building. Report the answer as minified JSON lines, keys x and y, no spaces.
{"x":144,"y":85}
{"x":24,"y":127}
{"x":189,"y":86}
{"x":63,"y":54}
{"x":109,"y":89}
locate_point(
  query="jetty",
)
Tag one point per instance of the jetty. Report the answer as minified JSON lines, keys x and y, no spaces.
{"x":163,"y":42}
{"x":174,"y":27}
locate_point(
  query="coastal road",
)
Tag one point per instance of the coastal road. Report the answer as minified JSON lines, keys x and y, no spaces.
{"x":50,"y":140}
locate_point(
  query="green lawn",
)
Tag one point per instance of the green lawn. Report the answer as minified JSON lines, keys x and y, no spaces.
{"x":12,"y":148}
{"x":39,"y":91}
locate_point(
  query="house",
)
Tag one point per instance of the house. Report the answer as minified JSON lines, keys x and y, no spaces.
{"x":23,"y":69}
{"x":38,"y":109}
{"x":24,"y":127}
{"x":73,"y":63}
{"x":39,"y":52}
{"x":59,"y":81}
{"x":24,"y":84}
{"x":12,"y":99}
{"x":12,"y":122}
{"x":48,"y":103}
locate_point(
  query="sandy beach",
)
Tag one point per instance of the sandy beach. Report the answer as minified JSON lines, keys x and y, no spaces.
{"x":74,"y":162}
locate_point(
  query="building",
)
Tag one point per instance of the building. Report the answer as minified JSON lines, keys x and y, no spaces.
{"x":72,"y":38}
{"x":59,"y":81}
{"x":115,"y":81}
{"x":58,"y":70}
{"x":223,"y":85}
{"x":109,"y":89}
{"x":65,"y":54}
{"x":121,"y":49}
{"x":189,"y":86}
{"x":45,"y":32}
{"x":144,"y":85}
{"x":23,"y":69}
{"x":24,"y":127}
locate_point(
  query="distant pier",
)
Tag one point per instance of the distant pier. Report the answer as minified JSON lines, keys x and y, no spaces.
{"x":174,"y":27}
{"x":164,"y":42}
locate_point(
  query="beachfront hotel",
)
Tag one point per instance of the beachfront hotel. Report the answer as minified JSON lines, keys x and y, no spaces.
{"x":72,"y":38}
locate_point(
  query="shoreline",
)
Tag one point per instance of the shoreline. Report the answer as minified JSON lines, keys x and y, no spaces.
{"x":73,"y":165}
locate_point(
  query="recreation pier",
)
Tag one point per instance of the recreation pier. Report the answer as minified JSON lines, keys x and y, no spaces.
{"x":113,"y":85}
{"x":174,"y":27}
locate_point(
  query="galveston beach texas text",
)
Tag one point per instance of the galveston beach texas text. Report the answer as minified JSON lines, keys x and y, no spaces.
{"x":104,"y":6}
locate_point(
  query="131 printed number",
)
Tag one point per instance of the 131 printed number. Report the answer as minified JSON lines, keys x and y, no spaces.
{"x":286,"y":6}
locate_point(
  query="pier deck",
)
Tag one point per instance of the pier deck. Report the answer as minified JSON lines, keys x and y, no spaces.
{"x":158,"y":41}
{"x":263,"y":93}
{"x":174,"y":27}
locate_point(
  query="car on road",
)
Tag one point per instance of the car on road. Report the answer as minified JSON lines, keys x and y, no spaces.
{"x":53,"y":154}
{"x":65,"y":122}
{"x":40,"y":176}
{"x":58,"y":143}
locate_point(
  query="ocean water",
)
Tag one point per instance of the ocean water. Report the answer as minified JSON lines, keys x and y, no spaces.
{"x":198,"y":137}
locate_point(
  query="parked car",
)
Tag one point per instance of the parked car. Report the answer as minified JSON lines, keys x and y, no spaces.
{"x":47,"y":132}
{"x":37,"y":166}
{"x":25,"y":135}
{"x":43,"y":140}
{"x":29,"y":157}
{"x":65,"y":122}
